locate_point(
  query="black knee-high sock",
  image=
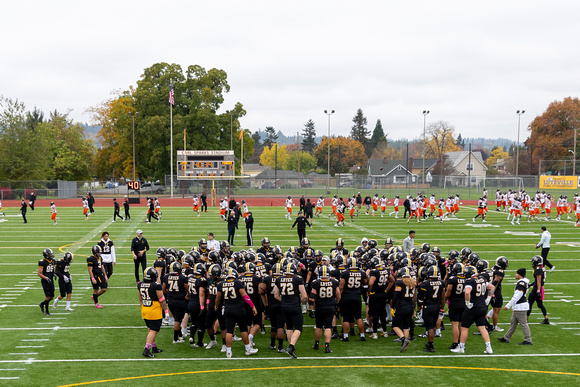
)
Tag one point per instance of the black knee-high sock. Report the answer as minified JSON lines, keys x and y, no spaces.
{"x":176,"y":333}
{"x":280,"y":343}
{"x":96,"y":298}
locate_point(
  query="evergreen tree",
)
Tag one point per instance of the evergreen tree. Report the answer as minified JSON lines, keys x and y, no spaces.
{"x":378,"y":139}
{"x":309,"y":135}
{"x":271,"y":137}
{"x":359,"y":131}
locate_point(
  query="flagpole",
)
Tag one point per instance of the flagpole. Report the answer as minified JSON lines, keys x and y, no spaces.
{"x":242,"y":153}
{"x":171,"y":140}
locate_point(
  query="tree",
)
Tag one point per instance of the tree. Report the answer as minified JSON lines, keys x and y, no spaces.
{"x":378,"y":139}
{"x":460,"y":142}
{"x":384,"y":151}
{"x":276,"y":159}
{"x":497,"y":153}
{"x":271,"y":137}
{"x":440,"y":139}
{"x":309,"y":136}
{"x":307,"y":162}
{"x":552,"y":133}
{"x":359,"y":131}
{"x":351,"y":153}
{"x":199,"y":94}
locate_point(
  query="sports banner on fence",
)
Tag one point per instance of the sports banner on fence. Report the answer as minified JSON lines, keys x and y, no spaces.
{"x":559,"y":182}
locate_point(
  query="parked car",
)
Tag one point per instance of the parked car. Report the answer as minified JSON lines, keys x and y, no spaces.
{"x":268,"y":185}
{"x":152,"y":188}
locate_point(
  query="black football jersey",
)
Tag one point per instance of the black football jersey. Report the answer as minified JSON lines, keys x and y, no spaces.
{"x":62,"y":269}
{"x":194,"y":284}
{"x":325,"y":300}
{"x":290,"y":290}
{"x":160,"y":263}
{"x":540,"y":271}
{"x":457,"y":297}
{"x":106,"y":246}
{"x":270,"y":282}
{"x":176,"y":286}
{"x":430,"y":292}
{"x":47,"y":268}
{"x":230,"y":290}
{"x":405,"y":295}
{"x":353,"y":284}
{"x":381,"y":280}
{"x":212,"y":292}
{"x":497,"y":275}
{"x":252,"y":284}
{"x":95,"y":263}
{"x":478,"y":291}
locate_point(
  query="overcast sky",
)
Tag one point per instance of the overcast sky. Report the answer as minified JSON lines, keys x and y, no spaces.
{"x":470,"y":63}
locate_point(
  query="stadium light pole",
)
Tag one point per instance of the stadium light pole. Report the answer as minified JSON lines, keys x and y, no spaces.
{"x":328,"y":168}
{"x":519,"y":113}
{"x":133,"y":115}
{"x":574,"y":153}
{"x":425,"y":112}
{"x":231,"y":129}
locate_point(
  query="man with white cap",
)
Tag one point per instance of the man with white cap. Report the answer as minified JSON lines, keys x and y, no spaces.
{"x":139,"y":247}
{"x":519,"y":306}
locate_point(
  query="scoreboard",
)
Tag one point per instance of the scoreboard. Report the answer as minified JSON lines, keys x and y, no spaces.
{"x":205,"y":164}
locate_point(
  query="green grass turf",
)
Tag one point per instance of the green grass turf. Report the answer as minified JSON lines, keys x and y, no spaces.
{"x":111,"y":339}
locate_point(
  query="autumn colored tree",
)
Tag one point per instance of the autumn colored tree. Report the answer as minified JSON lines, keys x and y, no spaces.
{"x":275,"y":156}
{"x":440,"y":139}
{"x":384,"y":151}
{"x":497,"y":153}
{"x":307,"y":162}
{"x":552,"y":133}
{"x":352,"y":152}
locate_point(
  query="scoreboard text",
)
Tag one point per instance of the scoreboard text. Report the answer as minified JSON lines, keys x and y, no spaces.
{"x":205,"y":164}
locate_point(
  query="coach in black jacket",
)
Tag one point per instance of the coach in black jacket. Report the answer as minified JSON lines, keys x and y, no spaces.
{"x":302,"y":222}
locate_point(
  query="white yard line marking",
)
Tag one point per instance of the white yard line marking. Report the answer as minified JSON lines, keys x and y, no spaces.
{"x":286,"y":358}
{"x":23,"y":353}
{"x":9,"y":377}
{"x":12,"y":369}
{"x":35,"y":340}
{"x":49,"y":334}
{"x":29,"y":346}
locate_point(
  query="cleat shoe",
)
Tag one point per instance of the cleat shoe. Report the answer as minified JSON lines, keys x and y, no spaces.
{"x":236,"y":338}
{"x":41,"y":306}
{"x":423,"y":335}
{"x":262,"y":330}
{"x":362,"y":338}
{"x":69,"y":309}
{"x":429,"y":349}
{"x":374,"y":336}
{"x":453,"y":346}
{"x":399,"y":340}
{"x":437,"y":334}
{"x":552,"y":269}
{"x":503,"y":339}
{"x":526,"y":343}
{"x":315,"y":346}
{"x":292,"y":353}
{"x":156,"y":350}
{"x":327,"y":350}
{"x":211,"y":344}
{"x":195,"y":345}
{"x":545,"y":321}
{"x":98,"y":306}
{"x":334,"y":336}
{"x":458,"y":349}
{"x":281,"y":350}
{"x":405,"y":344}
{"x":228,"y":355}
{"x":498,"y":329}
{"x":178,"y":341}
{"x":345,"y":339}
{"x":251,"y":351}
{"x":147,"y":353}
{"x":488,"y":350}
{"x":224,"y":348}
{"x":47,"y":312}
{"x":272,"y":347}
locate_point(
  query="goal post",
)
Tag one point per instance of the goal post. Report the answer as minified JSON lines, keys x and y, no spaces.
{"x":480,"y":182}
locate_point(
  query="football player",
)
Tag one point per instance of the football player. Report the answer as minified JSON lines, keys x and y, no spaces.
{"x":477,"y":295}
{"x":196,"y":205}
{"x":375,"y":204}
{"x":214,"y":277}
{"x":108,"y":256}
{"x":97,"y":275}
{"x":501,"y":263}
{"x":380,"y":282}
{"x":86,"y":212}
{"x":291,"y":292}
{"x":153,"y":304}
{"x":403,"y":305}
{"x":252,"y":283}
{"x":289,"y":205}
{"x":46,"y":274}
{"x":324,"y":296}
{"x":233,"y":294}
{"x":396,"y":207}
{"x":64,"y":280}
{"x":430,"y":298}
{"x":353,"y":284}
{"x":196,"y":294}
{"x":175,"y":285}
{"x":319,"y":206}
{"x":52,"y":211}
{"x":537,"y":293}
{"x":273,"y":307}
{"x":384,"y":201}
{"x":480,"y":210}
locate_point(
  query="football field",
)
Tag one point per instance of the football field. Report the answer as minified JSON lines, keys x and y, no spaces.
{"x":90,"y":346}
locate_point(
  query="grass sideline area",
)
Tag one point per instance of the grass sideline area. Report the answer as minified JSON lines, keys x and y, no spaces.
{"x":89,"y":345}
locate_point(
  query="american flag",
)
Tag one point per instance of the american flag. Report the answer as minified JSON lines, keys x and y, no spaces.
{"x":171,"y":94}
